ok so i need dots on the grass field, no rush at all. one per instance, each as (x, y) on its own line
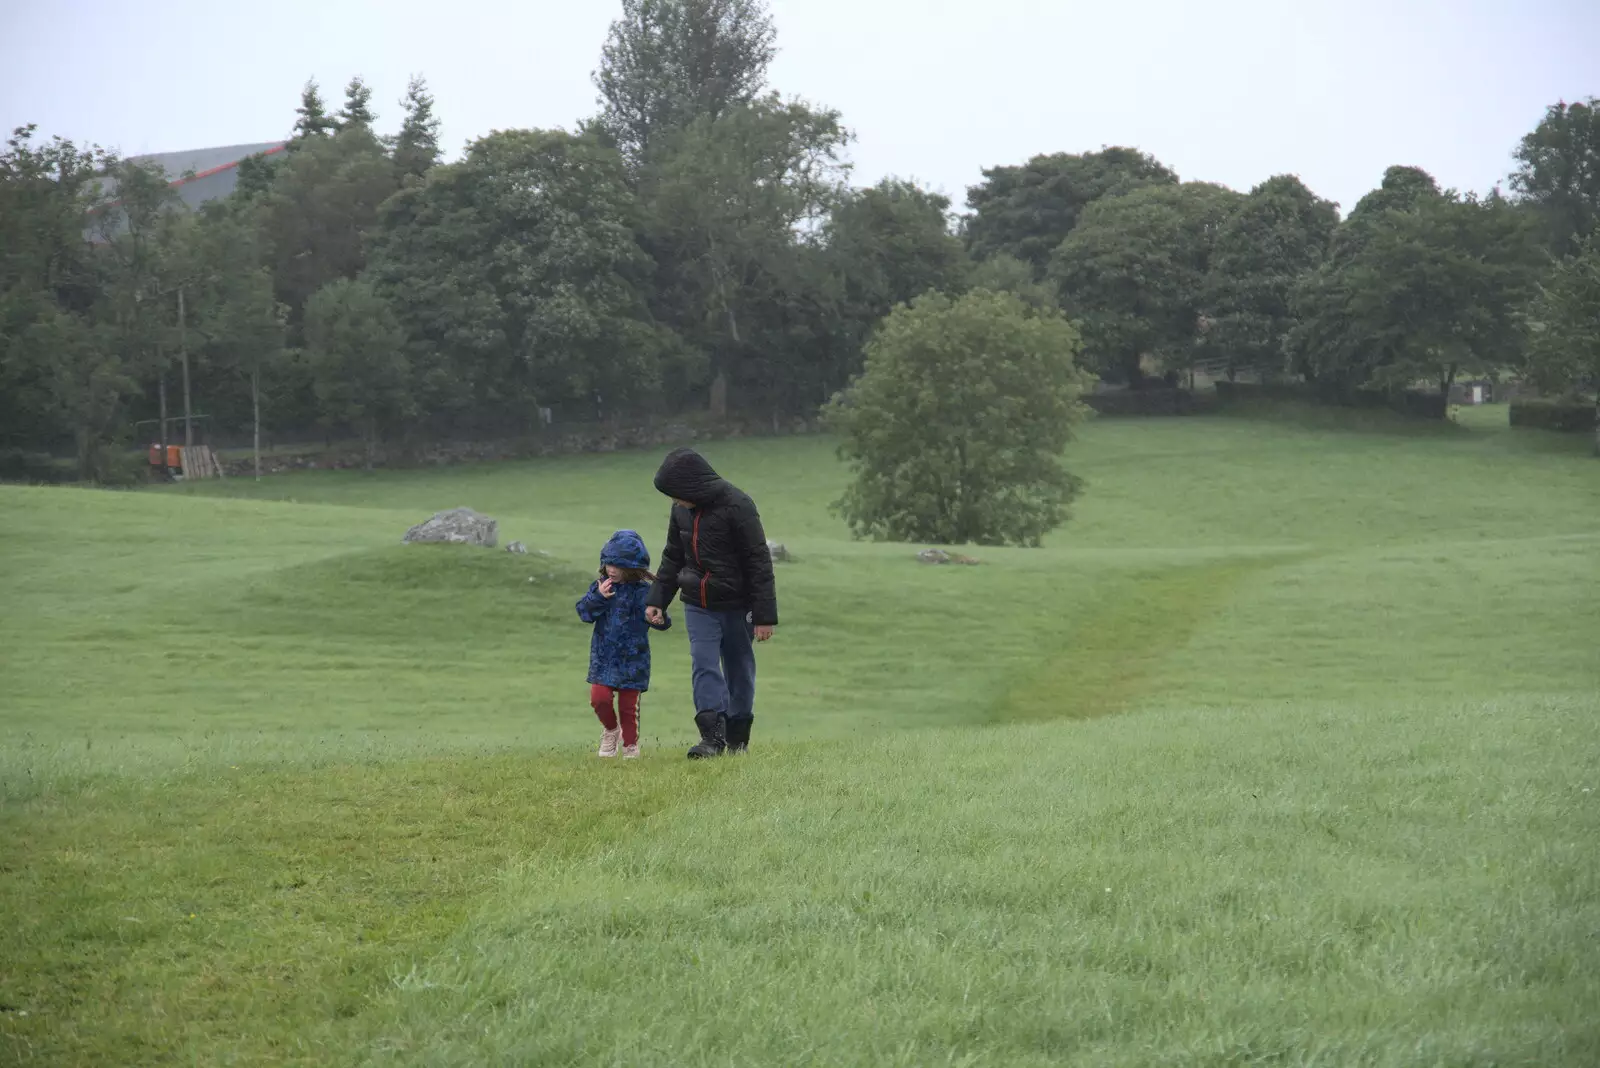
(1283, 752)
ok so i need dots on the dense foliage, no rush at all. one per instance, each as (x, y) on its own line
(697, 245)
(954, 430)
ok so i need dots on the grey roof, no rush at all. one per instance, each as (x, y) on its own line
(199, 160)
(215, 171)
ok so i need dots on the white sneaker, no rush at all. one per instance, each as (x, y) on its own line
(630, 752)
(608, 742)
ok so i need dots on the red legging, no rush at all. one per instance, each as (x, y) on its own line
(627, 700)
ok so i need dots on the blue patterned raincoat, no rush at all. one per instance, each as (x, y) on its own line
(619, 652)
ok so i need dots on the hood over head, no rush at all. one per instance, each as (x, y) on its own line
(684, 474)
(626, 549)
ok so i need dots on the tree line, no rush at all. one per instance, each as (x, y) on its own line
(697, 244)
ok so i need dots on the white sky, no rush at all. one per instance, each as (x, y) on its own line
(1229, 91)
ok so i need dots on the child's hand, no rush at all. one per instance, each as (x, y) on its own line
(608, 589)
(655, 615)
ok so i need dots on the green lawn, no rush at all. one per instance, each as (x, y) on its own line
(1284, 751)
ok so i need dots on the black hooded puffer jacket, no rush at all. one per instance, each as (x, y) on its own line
(716, 555)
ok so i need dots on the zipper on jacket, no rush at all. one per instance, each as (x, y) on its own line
(705, 576)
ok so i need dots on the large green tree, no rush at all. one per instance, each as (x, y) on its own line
(667, 63)
(884, 246)
(144, 234)
(1558, 170)
(355, 351)
(520, 280)
(312, 119)
(1445, 284)
(1327, 341)
(1027, 211)
(1004, 273)
(315, 217)
(416, 146)
(1279, 233)
(1432, 289)
(357, 110)
(1564, 351)
(47, 269)
(1132, 274)
(239, 324)
(954, 432)
(733, 210)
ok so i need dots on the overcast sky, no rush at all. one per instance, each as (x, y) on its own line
(1228, 91)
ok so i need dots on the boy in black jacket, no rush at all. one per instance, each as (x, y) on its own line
(717, 560)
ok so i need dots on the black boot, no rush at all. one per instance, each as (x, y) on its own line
(739, 735)
(713, 735)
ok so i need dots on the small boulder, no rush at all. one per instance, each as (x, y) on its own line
(780, 552)
(461, 526)
(516, 547)
(939, 556)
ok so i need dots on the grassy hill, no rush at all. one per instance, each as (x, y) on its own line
(1283, 751)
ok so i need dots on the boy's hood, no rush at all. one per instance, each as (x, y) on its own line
(684, 474)
(626, 549)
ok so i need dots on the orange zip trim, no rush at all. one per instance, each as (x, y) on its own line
(705, 576)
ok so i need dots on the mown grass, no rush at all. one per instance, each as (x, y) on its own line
(1281, 752)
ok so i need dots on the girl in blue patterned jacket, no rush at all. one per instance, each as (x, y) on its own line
(619, 652)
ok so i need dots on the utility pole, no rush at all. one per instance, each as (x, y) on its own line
(162, 382)
(183, 354)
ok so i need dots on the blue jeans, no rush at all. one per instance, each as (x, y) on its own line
(722, 650)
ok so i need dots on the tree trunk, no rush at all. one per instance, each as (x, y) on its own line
(1133, 366)
(719, 385)
(372, 442)
(183, 354)
(85, 452)
(1597, 422)
(255, 414)
(962, 534)
(719, 396)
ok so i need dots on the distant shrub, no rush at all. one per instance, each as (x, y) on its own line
(1569, 416)
(19, 465)
(1145, 402)
(954, 430)
(1411, 402)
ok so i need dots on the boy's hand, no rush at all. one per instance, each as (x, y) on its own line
(654, 615)
(763, 634)
(608, 589)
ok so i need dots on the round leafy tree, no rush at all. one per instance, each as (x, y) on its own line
(955, 429)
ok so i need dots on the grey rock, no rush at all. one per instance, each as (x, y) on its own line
(939, 556)
(461, 526)
(516, 547)
(780, 552)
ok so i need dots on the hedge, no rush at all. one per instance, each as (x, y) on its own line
(1573, 417)
(1410, 402)
(1145, 402)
